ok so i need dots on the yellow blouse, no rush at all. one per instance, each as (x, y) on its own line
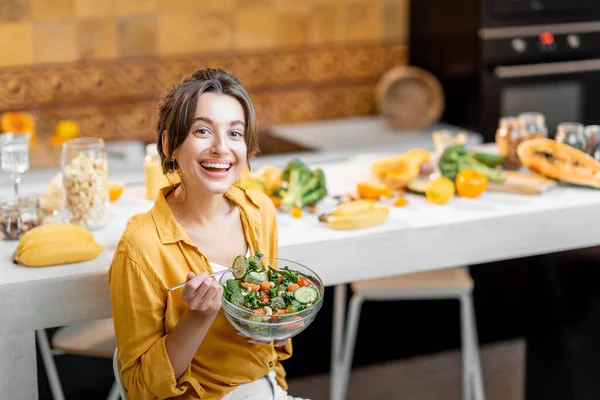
(155, 253)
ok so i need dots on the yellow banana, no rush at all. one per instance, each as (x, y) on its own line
(58, 231)
(56, 243)
(357, 220)
(64, 239)
(353, 206)
(52, 254)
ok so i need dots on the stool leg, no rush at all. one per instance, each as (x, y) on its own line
(348, 353)
(339, 316)
(49, 365)
(465, 336)
(474, 362)
(114, 392)
(478, 373)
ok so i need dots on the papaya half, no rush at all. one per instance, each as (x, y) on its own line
(560, 161)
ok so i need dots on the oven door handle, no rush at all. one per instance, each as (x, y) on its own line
(564, 67)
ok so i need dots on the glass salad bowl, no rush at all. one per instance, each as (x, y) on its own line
(272, 311)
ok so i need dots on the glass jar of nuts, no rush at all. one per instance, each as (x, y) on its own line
(84, 163)
(508, 137)
(19, 214)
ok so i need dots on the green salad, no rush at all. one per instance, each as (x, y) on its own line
(266, 290)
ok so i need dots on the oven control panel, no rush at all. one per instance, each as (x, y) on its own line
(542, 46)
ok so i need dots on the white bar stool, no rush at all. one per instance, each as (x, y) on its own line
(94, 338)
(117, 373)
(448, 283)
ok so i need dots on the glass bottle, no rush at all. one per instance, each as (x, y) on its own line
(508, 137)
(84, 163)
(155, 178)
(533, 125)
(573, 134)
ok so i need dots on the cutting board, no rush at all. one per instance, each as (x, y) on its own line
(522, 183)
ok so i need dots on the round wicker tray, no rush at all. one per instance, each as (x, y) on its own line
(409, 98)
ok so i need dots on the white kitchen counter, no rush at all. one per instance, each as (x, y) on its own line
(354, 133)
(418, 237)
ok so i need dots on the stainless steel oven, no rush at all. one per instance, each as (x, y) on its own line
(500, 57)
(552, 69)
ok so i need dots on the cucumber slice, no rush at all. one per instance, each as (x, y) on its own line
(240, 266)
(257, 329)
(306, 294)
(256, 277)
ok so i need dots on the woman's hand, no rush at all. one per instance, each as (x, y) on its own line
(202, 293)
(277, 343)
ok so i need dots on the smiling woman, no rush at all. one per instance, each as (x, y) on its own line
(181, 345)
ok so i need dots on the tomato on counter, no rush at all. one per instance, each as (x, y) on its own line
(471, 183)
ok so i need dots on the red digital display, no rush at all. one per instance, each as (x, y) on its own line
(547, 38)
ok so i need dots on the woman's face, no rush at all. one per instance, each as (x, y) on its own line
(213, 154)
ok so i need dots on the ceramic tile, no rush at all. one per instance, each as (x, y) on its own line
(52, 9)
(184, 33)
(136, 6)
(177, 33)
(137, 35)
(191, 6)
(288, 67)
(16, 44)
(297, 6)
(291, 28)
(362, 19)
(97, 38)
(215, 33)
(55, 41)
(326, 23)
(295, 106)
(95, 8)
(254, 29)
(395, 18)
(255, 4)
(15, 10)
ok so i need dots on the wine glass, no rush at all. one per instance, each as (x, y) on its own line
(14, 157)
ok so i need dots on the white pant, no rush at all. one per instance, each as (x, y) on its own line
(265, 388)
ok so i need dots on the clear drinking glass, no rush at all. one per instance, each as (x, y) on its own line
(573, 134)
(533, 125)
(592, 134)
(14, 157)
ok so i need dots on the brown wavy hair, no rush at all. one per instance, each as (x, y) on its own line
(177, 108)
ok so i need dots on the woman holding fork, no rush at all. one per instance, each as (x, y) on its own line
(179, 344)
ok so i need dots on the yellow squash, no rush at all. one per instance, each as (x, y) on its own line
(398, 171)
